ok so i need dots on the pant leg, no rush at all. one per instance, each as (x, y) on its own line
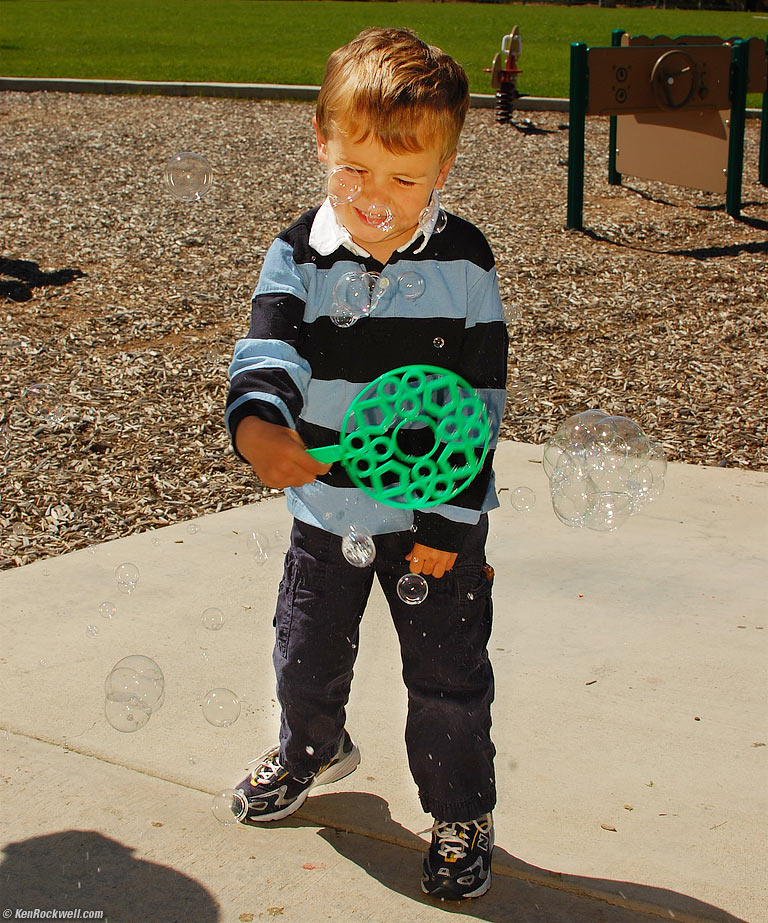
(449, 677)
(319, 607)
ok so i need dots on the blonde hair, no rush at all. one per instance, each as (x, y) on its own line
(390, 84)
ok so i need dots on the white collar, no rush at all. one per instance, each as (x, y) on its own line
(328, 233)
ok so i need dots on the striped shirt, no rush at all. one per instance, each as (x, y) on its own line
(298, 368)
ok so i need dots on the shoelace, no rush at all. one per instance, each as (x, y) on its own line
(268, 766)
(453, 839)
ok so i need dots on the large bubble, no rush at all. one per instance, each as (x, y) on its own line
(188, 176)
(602, 469)
(134, 689)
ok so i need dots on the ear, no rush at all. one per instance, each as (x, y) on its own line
(322, 144)
(444, 171)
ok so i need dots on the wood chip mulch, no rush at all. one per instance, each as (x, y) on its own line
(121, 305)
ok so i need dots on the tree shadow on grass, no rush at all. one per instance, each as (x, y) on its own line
(87, 870)
(26, 275)
(359, 827)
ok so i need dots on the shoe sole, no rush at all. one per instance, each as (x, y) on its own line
(333, 773)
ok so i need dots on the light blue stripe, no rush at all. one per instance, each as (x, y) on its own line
(252, 354)
(445, 291)
(327, 401)
(280, 275)
(264, 398)
(335, 509)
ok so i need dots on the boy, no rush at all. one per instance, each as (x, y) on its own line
(388, 116)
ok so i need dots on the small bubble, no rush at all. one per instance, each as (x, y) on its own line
(212, 618)
(92, 630)
(127, 576)
(411, 285)
(412, 589)
(107, 610)
(221, 707)
(438, 342)
(523, 499)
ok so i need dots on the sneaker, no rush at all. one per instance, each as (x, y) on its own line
(271, 792)
(458, 863)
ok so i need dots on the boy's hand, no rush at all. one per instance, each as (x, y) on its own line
(426, 560)
(276, 454)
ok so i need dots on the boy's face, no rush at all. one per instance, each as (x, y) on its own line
(403, 183)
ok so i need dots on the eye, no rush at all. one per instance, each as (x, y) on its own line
(404, 182)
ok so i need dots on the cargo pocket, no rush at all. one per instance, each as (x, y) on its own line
(286, 597)
(474, 608)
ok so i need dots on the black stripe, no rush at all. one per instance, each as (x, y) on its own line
(271, 381)
(276, 317)
(376, 345)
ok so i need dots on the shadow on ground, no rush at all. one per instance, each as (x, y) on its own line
(359, 827)
(84, 869)
(26, 276)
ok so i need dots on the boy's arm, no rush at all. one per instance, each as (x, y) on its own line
(269, 377)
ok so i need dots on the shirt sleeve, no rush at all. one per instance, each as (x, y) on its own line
(268, 378)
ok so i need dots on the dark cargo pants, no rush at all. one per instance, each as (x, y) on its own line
(443, 643)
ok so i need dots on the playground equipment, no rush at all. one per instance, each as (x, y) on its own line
(677, 109)
(504, 74)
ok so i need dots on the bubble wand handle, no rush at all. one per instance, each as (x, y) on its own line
(327, 453)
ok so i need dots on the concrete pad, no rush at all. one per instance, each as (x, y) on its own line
(629, 721)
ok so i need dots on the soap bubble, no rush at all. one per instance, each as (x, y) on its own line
(258, 545)
(342, 316)
(136, 680)
(411, 285)
(127, 576)
(523, 499)
(212, 618)
(358, 547)
(380, 216)
(438, 342)
(433, 218)
(92, 630)
(229, 806)
(40, 401)
(188, 176)
(344, 185)
(107, 610)
(353, 292)
(221, 707)
(412, 589)
(601, 470)
(126, 717)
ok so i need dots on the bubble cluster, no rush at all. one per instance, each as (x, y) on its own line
(412, 589)
(358, 547)
(134, 689)
(229, 806)
(127, 576)
(602, 469)
(188, 176)
(221, 707)
(355, 295)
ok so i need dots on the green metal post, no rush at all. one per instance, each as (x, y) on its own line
(738, 93)
(614, 177)
(762, 164)
(577, 121)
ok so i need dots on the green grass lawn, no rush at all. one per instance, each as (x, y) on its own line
(287, 41)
